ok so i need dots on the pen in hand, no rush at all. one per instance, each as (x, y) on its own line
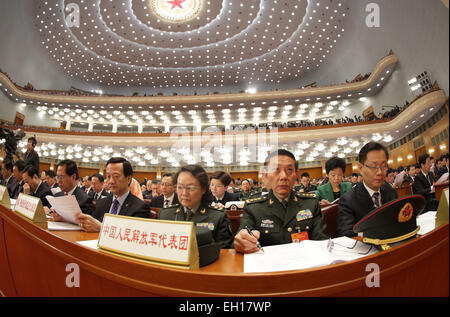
(257, 242)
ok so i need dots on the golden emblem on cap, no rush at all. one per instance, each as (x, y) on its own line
(405, 213)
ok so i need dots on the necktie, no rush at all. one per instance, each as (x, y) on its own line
(166, 203)
(95, 196)
(429, 179)
(115, 207)
(188, 214)
(375, 197)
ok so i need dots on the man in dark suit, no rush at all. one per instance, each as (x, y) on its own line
(8, 179)
(67, 176)
(119, 174)
(168, 197)
(444, 167)
(31, 157)
(410, 174)
(424, 183)
(51, 179)
(371, 193)
(18, 169)
(34, 186)
(98, 190)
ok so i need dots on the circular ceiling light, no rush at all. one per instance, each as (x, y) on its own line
(176, 10)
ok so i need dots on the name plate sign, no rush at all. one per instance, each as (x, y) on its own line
(4, 197)
(164, 242)
(31, 208)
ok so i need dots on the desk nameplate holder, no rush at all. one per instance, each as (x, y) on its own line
(4, 197)
(162, 242)
(31, 208)
(442, 210)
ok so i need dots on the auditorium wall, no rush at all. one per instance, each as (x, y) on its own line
(427, 145)
(9, 108)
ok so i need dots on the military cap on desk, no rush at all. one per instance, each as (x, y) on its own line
(392, 222)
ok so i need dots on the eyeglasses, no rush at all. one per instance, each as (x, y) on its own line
(166, 185)
(189, 188)
(383, 168)
(360, 250)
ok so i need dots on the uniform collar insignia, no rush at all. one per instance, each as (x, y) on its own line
(203, 211)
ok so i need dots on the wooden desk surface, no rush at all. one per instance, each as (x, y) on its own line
(34, 262)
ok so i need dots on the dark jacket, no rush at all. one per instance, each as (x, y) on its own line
(11, 186)
(32, 158)
(158, 202)
(356, 204)
(131, 207)
(42, 191)
(206, 216)
(103, 194)
(423, 187)
(226, 198)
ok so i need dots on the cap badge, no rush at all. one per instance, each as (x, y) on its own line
(405, 213)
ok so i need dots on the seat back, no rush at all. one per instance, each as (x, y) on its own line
(329, 214)
(235, 217)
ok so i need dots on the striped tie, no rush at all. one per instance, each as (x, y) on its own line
(375, 197)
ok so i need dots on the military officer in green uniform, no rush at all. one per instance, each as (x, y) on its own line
(282, 216)
(246, 189)
(192, 185)
(305, 185)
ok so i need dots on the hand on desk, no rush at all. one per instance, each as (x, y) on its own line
(88, 223)
(245, 243)
(53, 214)
(324, 202)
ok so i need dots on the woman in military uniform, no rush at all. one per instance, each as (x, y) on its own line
(192, 186)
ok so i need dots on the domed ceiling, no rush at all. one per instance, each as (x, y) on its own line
(189, 43)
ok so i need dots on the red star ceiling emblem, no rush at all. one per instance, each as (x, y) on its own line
(176, 3)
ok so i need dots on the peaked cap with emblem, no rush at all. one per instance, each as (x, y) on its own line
(392, 222)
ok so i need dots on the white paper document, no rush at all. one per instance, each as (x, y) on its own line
(63, 226)
(427, 222)
(66, 206)
(306, 254)
(89, 244)
(55, 190)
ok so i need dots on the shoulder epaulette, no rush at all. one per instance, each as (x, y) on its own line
(256, 199)
(306, 195)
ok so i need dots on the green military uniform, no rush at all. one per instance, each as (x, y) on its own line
(203, 216)
(276, 223)
(260, 192)
(246, 195)
(307, 189)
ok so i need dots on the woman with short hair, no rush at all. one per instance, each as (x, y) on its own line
(192, 190)
(219, 182)
(335, 188)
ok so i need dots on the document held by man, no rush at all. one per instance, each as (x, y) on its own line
(66, 206)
